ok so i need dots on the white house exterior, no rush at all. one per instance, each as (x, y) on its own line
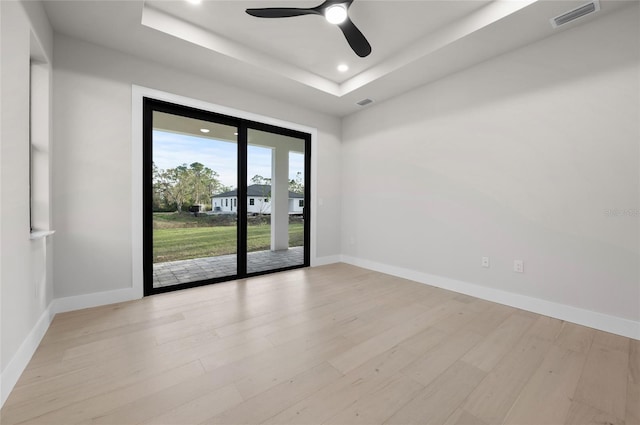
(258, 200)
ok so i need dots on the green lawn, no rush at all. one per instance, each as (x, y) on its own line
(182, 243)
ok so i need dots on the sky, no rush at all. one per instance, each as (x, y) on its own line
(173, 149)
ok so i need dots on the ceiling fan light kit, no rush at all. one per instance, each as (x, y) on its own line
(334, 11)
(336, 14)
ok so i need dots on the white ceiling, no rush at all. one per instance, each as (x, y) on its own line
(310, 42)
(295, 59)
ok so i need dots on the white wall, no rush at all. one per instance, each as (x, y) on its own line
(260, 206)
(25, 273)
(519, 157)
(92, 157)
(294, 205)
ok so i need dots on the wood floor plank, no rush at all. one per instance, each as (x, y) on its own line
(423, 341)
(324, 301)
(357, 355)
(173, 398)
(575, 337)
(632, 416)
(113, 326)
(440, 398)
(368, 378)
(456, 320)
(256, 383)
(582, 414)
(437, 360)
(433, 297)
(273, 355)
(371, 323)
(82, 373)
(488, 319)
(160, 402)
(52, 399)
(310, 311)
(462, 417)
(491, 349)
(331, 344)
(85, 410)
(603, 384)
(546, 398)
(251, 347)
(271, 402)
(376, 407)
(493, 398)
(200, 409)
(310, 323)
(615, 342)
(134, 346)
(546, 328)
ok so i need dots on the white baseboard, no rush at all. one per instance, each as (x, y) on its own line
(20, 360)
(592, 319)
(323, 261)
(79, 302)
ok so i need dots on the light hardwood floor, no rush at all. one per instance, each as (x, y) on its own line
(334, 344)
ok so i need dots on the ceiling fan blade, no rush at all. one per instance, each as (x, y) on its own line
(355, 38)
(281, 12)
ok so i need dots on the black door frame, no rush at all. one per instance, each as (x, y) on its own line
(243, 125)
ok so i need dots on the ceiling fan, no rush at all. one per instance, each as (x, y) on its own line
(335, 11)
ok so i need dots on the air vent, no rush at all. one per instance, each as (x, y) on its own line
(364, 102)
(576, 13)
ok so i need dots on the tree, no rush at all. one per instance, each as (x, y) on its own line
(297, 185)
(204, 183)
(221, 189)
(258, 179)
(173, 184)
(183, 185)
(159, 202)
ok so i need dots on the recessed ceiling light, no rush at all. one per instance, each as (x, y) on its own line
(205, 130)
(235, 134)
(336, 14)
(194, 1)
(343, 68)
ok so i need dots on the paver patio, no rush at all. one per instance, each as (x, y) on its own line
(184, 271)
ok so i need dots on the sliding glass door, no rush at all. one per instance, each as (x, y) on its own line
(276, 199)
(192, 160)
(224, 198)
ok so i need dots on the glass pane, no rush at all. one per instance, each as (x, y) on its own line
(275, 201)
(296, 203)
(194, 213)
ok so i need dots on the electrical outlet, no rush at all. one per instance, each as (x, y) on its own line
(518, 266)
(485, 262)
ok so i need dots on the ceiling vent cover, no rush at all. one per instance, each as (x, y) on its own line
(364, 102)
(576, 13)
